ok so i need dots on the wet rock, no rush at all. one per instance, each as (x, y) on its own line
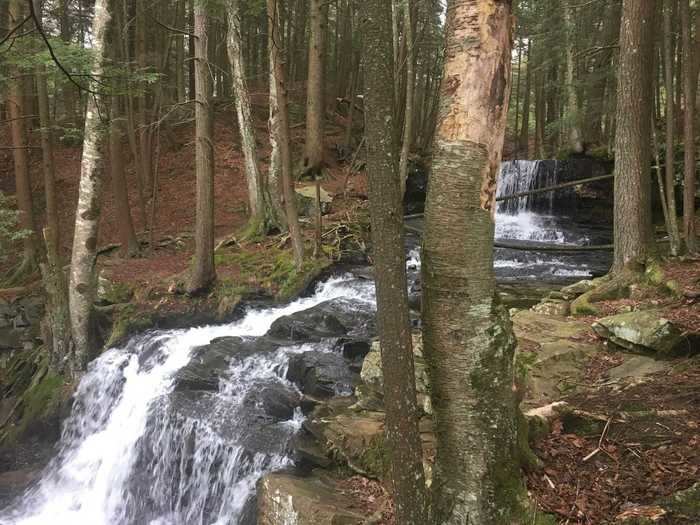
(354, 348)
(321, 374)
(306, 201)
(641, 331)
(325, 320)
(291, 500)
(308, 454)
(276, 399)
(206, 365)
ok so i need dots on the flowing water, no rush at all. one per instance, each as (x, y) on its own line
(141, 448)
(129, 455)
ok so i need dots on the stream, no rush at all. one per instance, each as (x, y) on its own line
(177, 426)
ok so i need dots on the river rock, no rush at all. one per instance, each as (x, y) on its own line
(370, 393)
(277, 400)
(285, 499)
(321, 374)
(206, 365)
(306, 201)
(641, 331)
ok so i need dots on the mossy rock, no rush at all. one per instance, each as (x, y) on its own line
(685, 503)
(128, 321)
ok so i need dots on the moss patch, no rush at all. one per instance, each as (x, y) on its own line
(127, 321)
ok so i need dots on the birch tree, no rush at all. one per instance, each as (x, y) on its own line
(469, 343)
(81, 290)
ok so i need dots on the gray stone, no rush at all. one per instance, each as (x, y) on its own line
(306, 201)
(637, 367)
(556, 307)
(321, 374)
(641, 331)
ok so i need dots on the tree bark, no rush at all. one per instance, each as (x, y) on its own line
(282, 135)
(203, 272)
(633, 234)
(469, 344)
(245, 121)
(524, 148)
(81, 291)
(47, 160)
(670, 170)
(689, 94)
(127, 234)
(401, 424)
(315, 107)
(575, 135)
(20, 155)
(410, 94)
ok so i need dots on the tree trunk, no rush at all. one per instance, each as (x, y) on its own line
(203, 272)
(274, 176)
(524, 141)
(145, 169)
(469, 344)
(81, 292)
(315, 107)
(670, 130)
(20, 155)
(127, 234)
(245, 121)
(180, 53)
(689, 93)
(282, 135)
(633, 234)
(575, 136)
(47, 159)
(410, 94)
(401, 424)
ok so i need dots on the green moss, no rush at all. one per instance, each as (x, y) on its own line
(115, 293)
(654, 273)
(128, 320)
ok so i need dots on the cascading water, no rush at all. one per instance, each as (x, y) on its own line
(137, 449)
(538, 218)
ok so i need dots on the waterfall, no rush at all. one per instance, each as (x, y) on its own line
(518, 176)
(135, 450)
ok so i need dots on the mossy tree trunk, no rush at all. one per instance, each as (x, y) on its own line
(469, 344)
(385, 197)
(81, 291)
(633, 233)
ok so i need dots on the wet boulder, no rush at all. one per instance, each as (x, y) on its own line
(642, 331)
(275, 399)
(207, 364)
(321, 374)
(334, 318)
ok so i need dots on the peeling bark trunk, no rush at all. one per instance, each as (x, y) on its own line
(385, 197)
(203, 272)
(633, 233)
(282, 136)
(81, 291)
(469, 343)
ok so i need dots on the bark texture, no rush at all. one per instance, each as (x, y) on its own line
(245, 122)
(81, 291)
(203, 273)
(47, 159)
(469, 344)
(281, 132)
(689, 94)
(313, 156)
(633, 234)
(670, 128)
(401, 424)
(410, 95)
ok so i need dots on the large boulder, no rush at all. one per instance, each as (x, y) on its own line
(321, 374)
(306, 201)
(285, 499)
(641, 331)
(370, 393)
(334, 318)
(275, 398)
